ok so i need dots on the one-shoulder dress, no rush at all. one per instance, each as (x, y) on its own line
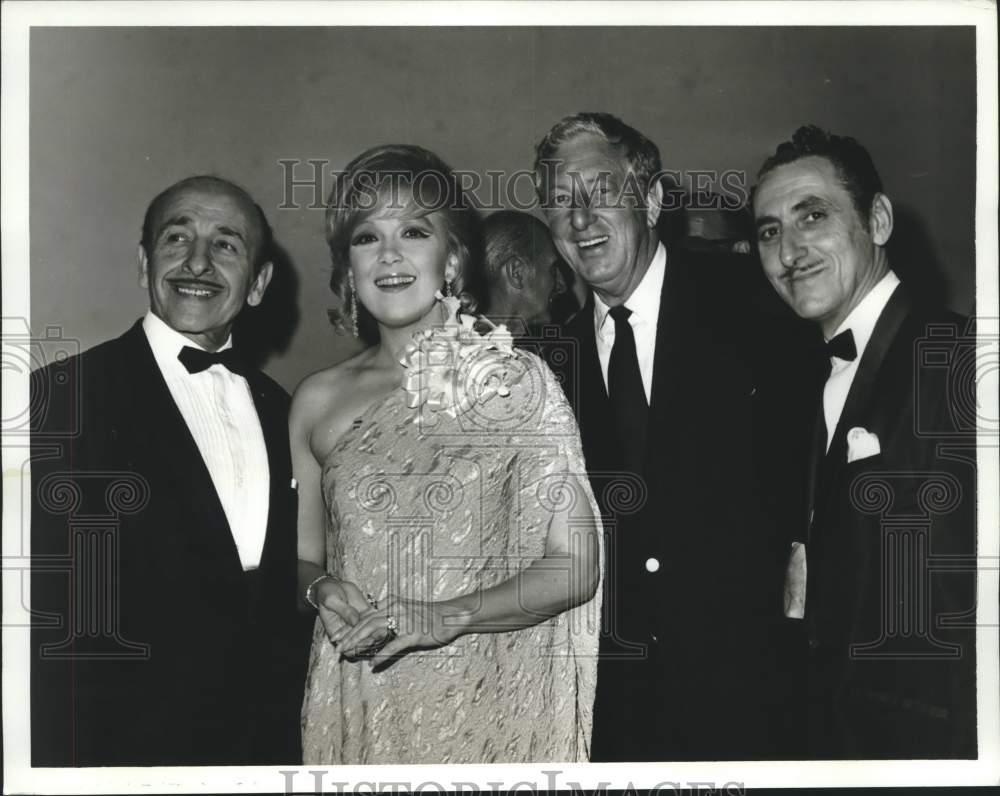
(430, 504)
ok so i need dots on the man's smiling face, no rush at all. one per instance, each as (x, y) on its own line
(816, 250)
(200, 267)
(596, 217)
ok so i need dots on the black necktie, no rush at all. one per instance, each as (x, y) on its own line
(196, 360)
(842, 346)
(628, 397)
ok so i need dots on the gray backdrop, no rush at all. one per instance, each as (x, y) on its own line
(118, 114)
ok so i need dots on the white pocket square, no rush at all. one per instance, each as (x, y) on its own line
(861, 444)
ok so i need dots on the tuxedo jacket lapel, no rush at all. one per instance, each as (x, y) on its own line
(273, 416)
(816, 461)
(174, 458)
(670, 328)
(861, 396)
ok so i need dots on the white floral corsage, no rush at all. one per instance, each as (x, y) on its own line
(453, 367)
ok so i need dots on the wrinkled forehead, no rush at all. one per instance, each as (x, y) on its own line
(787, 185)
(586, 156)
(210, 206)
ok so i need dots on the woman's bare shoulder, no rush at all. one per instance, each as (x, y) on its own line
(327, 402)
(319, 394)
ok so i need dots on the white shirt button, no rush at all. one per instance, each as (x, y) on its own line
(652, 565)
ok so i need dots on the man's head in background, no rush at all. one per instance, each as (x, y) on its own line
(822, 225)
(521, 274)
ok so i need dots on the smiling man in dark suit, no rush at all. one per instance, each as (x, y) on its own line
(667, 387)
(887, 638)
(163, 517)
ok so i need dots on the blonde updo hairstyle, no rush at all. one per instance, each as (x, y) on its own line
(414, 181)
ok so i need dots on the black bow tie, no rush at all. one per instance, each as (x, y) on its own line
(196, 360)
(842, 346)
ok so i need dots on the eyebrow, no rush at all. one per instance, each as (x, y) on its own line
(808, 203)
(176, 221)
(230, 231)
(183, 221)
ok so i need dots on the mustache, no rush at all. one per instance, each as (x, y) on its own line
(790, 274)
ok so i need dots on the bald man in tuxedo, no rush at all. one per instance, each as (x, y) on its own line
(163, 517)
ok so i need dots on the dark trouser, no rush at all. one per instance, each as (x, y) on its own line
(719, 698)
(276, 708)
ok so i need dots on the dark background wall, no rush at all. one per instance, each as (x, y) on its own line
(118, 114)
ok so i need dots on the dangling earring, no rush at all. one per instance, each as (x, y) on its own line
(453, 266)
(354, 305)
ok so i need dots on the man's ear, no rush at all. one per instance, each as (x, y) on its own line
(143, 263)
(654, 204)
(880, 219)
(256, 294)
(514, 268)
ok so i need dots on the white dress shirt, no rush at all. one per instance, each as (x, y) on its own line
(219, 411)
(861, 322)
(645, 306)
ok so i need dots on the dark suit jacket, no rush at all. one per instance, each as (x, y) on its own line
(890, 588)
(151, 646)
(688, 662)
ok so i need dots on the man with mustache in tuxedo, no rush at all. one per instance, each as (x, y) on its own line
(163, 516)
(886, 644)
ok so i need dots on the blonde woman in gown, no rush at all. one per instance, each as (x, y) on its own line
(448, 537)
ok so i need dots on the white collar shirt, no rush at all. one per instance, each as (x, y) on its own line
(218, 409)
(861, 321)
(645, 306)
